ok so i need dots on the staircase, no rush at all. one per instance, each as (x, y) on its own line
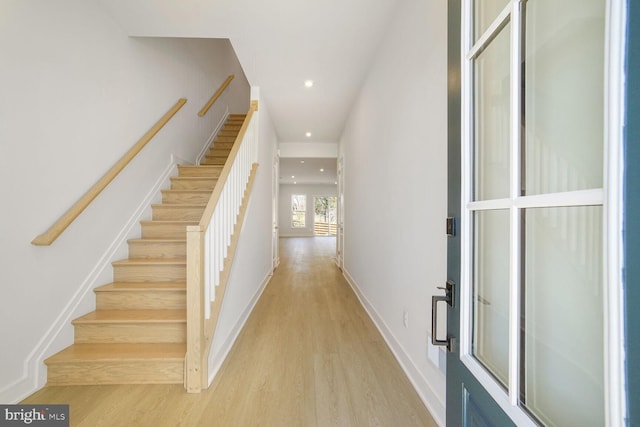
(137, 335)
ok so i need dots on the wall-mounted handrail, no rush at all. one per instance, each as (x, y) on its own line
(65, 220)
(210, 247)
(215, 96)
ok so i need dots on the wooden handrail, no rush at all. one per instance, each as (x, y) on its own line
(199, 328)
(215, 96)
(217, 190)
(65, 220)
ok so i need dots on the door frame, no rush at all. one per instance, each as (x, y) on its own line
(319, 196)
(614, 337)
(340, 215)
(275, 200)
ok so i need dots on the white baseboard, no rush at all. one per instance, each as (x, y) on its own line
(212, 136)
(34, 371)
(428, 396)
(216, 361)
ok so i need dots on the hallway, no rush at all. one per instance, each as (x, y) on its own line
(308, 356)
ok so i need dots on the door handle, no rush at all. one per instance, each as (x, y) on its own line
(449, 298)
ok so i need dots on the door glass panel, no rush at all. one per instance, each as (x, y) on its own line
(484, 13)
(564, 95)
(563, 316)
(492, 113)
(491, 292)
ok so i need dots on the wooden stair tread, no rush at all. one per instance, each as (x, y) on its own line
(155, 247)
(178, 205)
(200, 170)
(180, 190)
(133, 316)
(157, 240)
(118, 352)
(169, 221)
(149, 261)
(141, 286)
(211, 168)
(193, 182)
(198, 167)
(193, 178)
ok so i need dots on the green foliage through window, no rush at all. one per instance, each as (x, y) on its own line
(298, 210)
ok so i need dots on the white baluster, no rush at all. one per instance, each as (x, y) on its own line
(207, 248)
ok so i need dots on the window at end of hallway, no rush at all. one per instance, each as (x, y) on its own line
(298, 210)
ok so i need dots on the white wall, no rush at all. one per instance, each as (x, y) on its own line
(394, 150)
(308, 149)
(77, 93)
(252, 265)
(284, 207)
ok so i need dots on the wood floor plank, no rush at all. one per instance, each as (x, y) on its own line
(308, 356)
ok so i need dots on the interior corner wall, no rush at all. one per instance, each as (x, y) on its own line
(284, 207)
(394, 148)
(77, 94)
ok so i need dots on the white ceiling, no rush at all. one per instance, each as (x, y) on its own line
(280, 44)
(308, 171)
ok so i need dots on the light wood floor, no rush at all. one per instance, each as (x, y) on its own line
(308, 356)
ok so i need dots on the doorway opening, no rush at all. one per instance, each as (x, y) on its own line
(325, 215)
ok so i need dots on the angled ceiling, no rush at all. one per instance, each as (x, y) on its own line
(280, 44)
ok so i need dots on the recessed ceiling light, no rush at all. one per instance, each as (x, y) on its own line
(292, 176)
(308, 134)
(321, 170)
(294, 182)
(301, 161)
(308, 83)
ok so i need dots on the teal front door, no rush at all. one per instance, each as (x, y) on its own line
(632, 214)
(530, 189)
